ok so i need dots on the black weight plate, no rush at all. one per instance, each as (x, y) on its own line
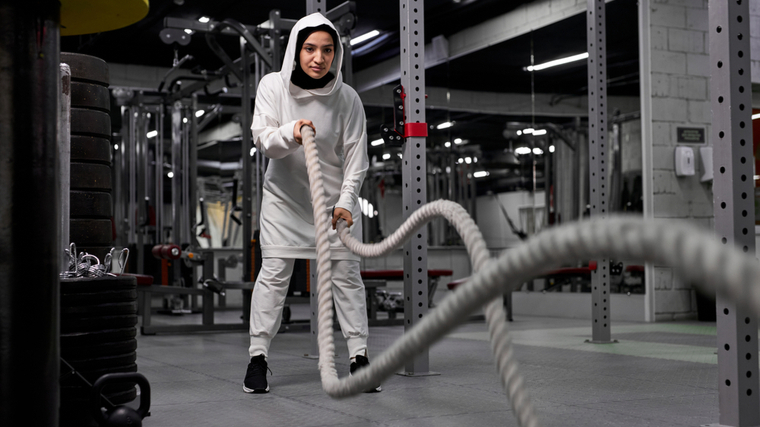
(91, 367)
(90, 122)
(100, 297)
(81, 339)
(92, 374)
(91, 232)
(92, 323)
(104, 349)
(90, 95)
(90, 149)
(86, 67)
(105, 309)
(90, 176)
(90, 204)
(88, 285)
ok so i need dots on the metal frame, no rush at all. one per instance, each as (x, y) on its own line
(731, 134)
(598, 149)
(414, 173)
(645, 73)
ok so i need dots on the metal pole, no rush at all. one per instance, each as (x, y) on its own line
(733, 203)
(313, 6)
(597, 149)
(64, 154)
(29, 293)
(414, 172)
(245, 123)
(131, 148)
(176, 184)
(160, 176)
(141, 143)
(192, 169)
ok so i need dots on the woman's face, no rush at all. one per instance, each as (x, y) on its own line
(317, 54)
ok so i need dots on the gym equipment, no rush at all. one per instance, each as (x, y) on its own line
(121, 416)
(86, 17)
(694, 253)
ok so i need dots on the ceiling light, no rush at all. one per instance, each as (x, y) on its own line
(386, 156)
(447, 144)
(551, 148)
(468, 160)
(377, 142)
(364, 37)
(458, 141)
(188, 31)
(556, 62)
(253, 151)
(448, 169)
(757, 177)
(184, 120)
(170, 174)
(528, 131)
(756, 116)
(537, 151)
(539, 132)
(481, 174)
(152, 133)
(522, 150)
(204, 19)
(200, 113)
(460, 161)
(116, 146)
(400, 156)
(519, 132)
(445, 125)
(474, 159)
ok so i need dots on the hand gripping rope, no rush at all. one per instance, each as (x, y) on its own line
(694, 253)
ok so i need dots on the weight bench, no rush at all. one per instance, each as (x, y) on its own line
(374, 279)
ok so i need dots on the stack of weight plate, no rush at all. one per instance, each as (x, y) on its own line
(98, 329)
(98, 315)
(91, 204)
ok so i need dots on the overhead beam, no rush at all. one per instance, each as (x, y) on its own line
(522, 20)
(518, 104)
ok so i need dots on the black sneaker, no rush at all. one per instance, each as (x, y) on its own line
(361, 362)
(256, 376)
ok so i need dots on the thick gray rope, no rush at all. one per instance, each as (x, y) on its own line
(694, 253)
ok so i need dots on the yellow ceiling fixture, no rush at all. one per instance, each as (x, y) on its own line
(95, 16)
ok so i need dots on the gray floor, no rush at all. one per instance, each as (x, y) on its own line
(659, 374)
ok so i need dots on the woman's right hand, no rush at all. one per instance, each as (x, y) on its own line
(297, 129)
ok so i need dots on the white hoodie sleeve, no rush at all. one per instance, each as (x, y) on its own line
(270, 137)
(355, 162)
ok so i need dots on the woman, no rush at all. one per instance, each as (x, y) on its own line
(307, 92)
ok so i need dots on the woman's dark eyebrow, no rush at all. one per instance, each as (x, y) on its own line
(312, 44)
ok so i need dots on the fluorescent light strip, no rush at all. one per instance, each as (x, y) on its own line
(204, 19)
(364, 37)
(756, 116)
(377, 142)
(152, 133)
(445, 125)
(556, 62)
(539, 132)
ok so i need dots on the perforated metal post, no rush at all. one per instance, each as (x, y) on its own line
(597, 150)
(316, 6)
(733, 203)
(414, 174)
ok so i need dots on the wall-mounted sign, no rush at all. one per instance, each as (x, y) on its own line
(687, 135)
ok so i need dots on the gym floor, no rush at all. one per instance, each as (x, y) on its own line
(658, 374)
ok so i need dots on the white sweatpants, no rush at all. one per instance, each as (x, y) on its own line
(270, 291)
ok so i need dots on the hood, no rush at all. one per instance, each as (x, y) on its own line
(289, 59)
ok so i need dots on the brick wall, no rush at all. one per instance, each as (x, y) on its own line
(680, 85)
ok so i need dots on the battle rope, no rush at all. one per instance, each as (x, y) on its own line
(694, 254)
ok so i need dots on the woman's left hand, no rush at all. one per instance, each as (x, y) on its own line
(341, 213)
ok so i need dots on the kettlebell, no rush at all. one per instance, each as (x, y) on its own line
(120, 416)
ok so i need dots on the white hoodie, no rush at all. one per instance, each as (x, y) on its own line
(287, 220)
